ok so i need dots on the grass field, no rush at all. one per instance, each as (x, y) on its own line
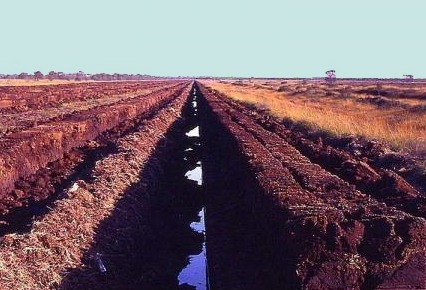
(338, 111)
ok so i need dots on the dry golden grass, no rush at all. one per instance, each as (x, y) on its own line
(337, 115)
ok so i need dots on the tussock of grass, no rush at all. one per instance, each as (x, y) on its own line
(339, 116)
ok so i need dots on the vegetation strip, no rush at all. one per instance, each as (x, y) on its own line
(336, 109)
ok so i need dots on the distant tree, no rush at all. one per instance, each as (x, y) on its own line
(379, 88)
(409, 78)
(38, 75)
(331, 76)
(23, 76)
(62, 75)
(51, 75)
(80, 76)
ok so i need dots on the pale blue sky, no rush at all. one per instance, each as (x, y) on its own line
(265, 38)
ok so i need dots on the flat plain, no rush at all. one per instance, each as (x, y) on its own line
(306, 184)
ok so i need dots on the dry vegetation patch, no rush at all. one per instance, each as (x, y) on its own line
(335, 110)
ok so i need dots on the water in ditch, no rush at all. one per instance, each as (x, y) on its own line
(195, 273)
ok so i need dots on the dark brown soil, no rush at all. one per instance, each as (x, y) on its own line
(146, 240)
(125, 212)
(327, 234)
(23, 153)
(14, 99)
(285, 208)
(372, 167)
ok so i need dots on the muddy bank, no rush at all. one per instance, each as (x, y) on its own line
(242, 251)
(103, 219)
(323, 233)
(18, 99)
(369, 165)
(14, 122)
(78, 157)
(146, 241)
(23, 153)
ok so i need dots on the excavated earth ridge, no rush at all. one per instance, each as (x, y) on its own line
(12, 122)
(23, 153)
(60, 242)
(359, 169)
(23, 98)
(283, 211)
(339, 237)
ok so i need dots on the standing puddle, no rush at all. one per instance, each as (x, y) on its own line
(194, 275)
(194, 132)
(196, 174)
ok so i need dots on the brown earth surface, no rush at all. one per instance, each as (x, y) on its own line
(335, 237)
(59, 242)
(25, 152)
(104, 183)
(24, 98)
(11, 122)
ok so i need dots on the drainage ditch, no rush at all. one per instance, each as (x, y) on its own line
(156, 238)
(165, 244)
(195, 273)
